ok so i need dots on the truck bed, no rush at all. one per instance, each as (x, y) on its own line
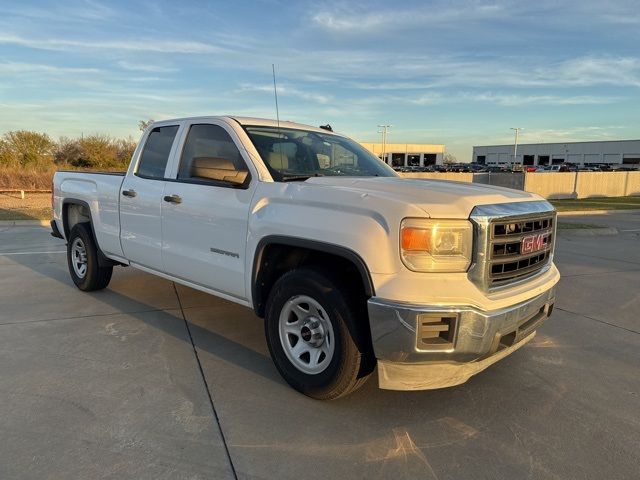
(100, 192)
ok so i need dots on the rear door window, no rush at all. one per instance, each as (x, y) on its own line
(155, 155)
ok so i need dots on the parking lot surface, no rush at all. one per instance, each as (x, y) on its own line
(148, 379)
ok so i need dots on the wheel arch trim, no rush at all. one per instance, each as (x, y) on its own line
(103, 260)
(319, 246)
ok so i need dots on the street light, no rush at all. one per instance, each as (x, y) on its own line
(385, 129)
(515, 144)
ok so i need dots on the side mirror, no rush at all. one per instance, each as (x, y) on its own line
(219, 169)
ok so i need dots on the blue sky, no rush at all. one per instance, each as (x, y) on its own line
(458, 73)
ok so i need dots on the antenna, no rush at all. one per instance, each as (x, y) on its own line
(275, 92)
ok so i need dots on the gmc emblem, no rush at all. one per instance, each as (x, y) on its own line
(533, 243)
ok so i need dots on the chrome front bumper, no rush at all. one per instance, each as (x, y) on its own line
(475, 339)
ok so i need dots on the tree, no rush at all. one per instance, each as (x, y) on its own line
(68, 152)
(450, 158)
(97, 151)
(142, 124)
(124, 150)
(24, 148)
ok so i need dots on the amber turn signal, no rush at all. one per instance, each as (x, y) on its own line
(416, 239)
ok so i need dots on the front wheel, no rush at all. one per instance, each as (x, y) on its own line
(307, 328)
(82, 258)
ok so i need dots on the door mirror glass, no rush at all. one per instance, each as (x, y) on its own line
(217, 169)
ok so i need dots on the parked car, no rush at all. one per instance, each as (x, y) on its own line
(349, 266)
(477, 167)
(457, 167)
(496, 169)
(553, 168)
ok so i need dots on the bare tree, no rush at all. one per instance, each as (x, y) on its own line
(143, 124)
(450, 158)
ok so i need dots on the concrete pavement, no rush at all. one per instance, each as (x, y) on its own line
(109, 384)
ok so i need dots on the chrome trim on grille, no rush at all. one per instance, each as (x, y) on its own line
(492, 272)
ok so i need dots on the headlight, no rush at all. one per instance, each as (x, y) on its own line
(429, 245)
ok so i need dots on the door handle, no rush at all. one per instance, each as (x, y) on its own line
(129, 193)
(173, 199)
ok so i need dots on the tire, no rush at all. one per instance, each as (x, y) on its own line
(82, 259)
(307, 307)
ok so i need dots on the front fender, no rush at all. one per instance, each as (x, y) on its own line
(358, 223)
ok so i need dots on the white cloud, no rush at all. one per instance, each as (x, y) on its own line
(133, 45)
(287, 90)
(426, 72)
(83, 10)
(500, 99)
(365, 19)
(586, 71)
(358, 17)
(142, 67)
(430, 98)
(515, 100)
(26, 68)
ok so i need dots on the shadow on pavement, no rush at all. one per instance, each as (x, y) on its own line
(209, 341)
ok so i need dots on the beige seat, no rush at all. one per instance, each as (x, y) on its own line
(278, 160)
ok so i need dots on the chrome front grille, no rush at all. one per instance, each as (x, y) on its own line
(514, 242)
(508, 261)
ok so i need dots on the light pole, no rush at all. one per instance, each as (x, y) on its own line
(515, 144)
(385, 129)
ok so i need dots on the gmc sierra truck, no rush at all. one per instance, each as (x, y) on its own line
(350, 266)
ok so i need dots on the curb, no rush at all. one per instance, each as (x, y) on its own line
(589, 232)
(24, 223)
(596, 212)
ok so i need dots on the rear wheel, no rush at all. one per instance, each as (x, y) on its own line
(307, 328)
(82, 258)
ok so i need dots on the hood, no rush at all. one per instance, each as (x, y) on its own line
(437, 198)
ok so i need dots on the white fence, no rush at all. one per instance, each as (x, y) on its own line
(553, 185)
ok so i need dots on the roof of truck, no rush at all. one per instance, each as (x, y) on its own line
(265, 122)
(253, 121)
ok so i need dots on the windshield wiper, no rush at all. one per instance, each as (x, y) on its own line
(299, 178)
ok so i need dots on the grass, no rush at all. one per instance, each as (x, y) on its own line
(577, 226)
(605, 203)
(26, 214)
(34, 206)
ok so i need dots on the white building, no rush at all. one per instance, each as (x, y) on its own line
(616, 152)
(408, 154)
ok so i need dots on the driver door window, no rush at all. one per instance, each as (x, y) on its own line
(206, 141)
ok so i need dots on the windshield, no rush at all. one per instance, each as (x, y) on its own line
(299, 154)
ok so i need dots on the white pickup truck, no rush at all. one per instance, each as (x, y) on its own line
(350, 266)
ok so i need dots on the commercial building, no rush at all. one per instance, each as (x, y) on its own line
(616, 152)
(408, 154)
